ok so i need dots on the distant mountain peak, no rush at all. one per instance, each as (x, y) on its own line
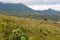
(50, 9)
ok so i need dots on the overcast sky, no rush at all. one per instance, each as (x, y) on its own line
(37, 4)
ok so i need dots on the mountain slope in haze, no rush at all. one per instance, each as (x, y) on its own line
(15, 9)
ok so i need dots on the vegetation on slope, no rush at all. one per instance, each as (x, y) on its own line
(36, 29)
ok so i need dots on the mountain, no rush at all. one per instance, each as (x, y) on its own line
(49, 12)
(21, 10)
(15, 9)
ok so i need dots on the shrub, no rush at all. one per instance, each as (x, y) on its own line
(45, 19)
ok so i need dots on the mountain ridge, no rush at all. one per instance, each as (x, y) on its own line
(49, 12)
(11, 8)
(22, 10)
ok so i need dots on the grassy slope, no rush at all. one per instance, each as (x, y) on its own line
(38, 29)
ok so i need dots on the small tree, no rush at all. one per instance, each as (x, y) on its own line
(45, 19)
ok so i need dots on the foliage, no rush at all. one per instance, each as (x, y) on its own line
(31, 28)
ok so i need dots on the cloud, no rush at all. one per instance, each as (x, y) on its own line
(45, 2)
(31, 2)
(45, 7)
(14, 1)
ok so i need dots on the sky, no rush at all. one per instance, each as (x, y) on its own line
(37, 4)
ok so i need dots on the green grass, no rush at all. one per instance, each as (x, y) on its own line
(37, 29)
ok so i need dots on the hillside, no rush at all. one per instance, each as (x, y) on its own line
(17, 9)
(21, 10)
(34, 29)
